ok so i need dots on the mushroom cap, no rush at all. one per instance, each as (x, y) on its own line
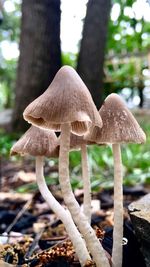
(37, 142)
(77, 141)
(119, 125)
(67, 100)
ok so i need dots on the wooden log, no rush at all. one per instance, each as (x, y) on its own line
(140, 216)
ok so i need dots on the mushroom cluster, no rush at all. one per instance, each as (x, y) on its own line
(119, 126)
(67, 106)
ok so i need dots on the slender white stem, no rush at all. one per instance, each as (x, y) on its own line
(64, 215)
(86, 183)
(78, 216)
(118, 208)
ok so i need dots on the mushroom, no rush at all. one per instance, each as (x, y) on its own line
(67, 106)
(39, 143)
(78, 142)
(119, 126)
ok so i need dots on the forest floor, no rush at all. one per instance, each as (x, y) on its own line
(31, 235)
(36, 237)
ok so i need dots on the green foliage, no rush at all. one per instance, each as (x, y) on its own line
(69, 59)
(127, 34)
(136, 168)
(9, 33)
(127, 41)
(32, 187)
(10, 28)
(6, 142)
(7, 82)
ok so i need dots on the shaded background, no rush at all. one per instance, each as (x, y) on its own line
(40, 36)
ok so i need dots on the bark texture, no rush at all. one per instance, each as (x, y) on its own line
(91, 56)
(40, 54)
(140, 217)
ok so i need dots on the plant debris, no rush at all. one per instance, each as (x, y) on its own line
(39, 230)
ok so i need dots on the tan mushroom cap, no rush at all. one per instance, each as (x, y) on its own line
(67, 100)
(77, 141)
(119, 125)
(37, 142)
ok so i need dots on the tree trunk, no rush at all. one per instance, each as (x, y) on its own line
(141, 93)
(91, 56)
(40, 54)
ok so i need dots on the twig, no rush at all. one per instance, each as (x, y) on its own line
(34, 244)
(20, 213)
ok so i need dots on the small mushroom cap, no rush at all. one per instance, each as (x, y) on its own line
(77, 141)
(119, 125)
(37, 142)
(67, 100)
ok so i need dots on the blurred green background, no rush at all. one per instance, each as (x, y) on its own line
(126, 71)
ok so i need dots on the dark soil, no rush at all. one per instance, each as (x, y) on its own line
(37, 238)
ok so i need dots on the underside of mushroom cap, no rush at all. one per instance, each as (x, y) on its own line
(37, 142)
(77, 141)
(119, 125)
(67, 100)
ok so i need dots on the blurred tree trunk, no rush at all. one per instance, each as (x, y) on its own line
(40, 54)
(92, 50)
(141, 93)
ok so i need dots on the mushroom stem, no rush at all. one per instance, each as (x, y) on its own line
(64, 215)
(78, 216)
(86, 183)
(118, 208)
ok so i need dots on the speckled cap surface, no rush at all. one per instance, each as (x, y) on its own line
(119, 125)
